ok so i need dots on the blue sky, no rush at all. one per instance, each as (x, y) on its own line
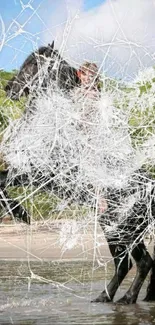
(118, 35)
(33, 16)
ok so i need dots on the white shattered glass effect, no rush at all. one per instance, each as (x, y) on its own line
(96, 136)
(73, 134)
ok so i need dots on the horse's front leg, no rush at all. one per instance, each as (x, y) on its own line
(150, 294)
(144, 264)
(122, 266)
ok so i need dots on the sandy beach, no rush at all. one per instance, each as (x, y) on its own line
(41, 242)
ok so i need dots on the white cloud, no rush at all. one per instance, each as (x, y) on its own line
(118, 35)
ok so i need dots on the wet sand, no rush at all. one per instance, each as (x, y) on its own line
(41, 242)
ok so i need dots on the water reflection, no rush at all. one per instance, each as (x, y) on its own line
(60, 293)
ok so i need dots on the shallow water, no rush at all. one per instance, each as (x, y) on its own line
(60, 293)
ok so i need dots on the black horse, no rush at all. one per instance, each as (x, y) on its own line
(130, 210)
(38, 70)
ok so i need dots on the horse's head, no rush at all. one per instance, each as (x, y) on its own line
(40, 69)
(20, 84)
(59, 70)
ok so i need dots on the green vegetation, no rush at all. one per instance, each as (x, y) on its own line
(8, 108)
(44, 205)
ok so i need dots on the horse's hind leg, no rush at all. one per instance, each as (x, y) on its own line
(144, 264)
(122, 265)
(150, 294)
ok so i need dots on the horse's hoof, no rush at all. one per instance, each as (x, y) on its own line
(102, 298)
(126, 301)
(149, 297)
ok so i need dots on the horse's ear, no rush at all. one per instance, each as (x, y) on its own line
(52, 45)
